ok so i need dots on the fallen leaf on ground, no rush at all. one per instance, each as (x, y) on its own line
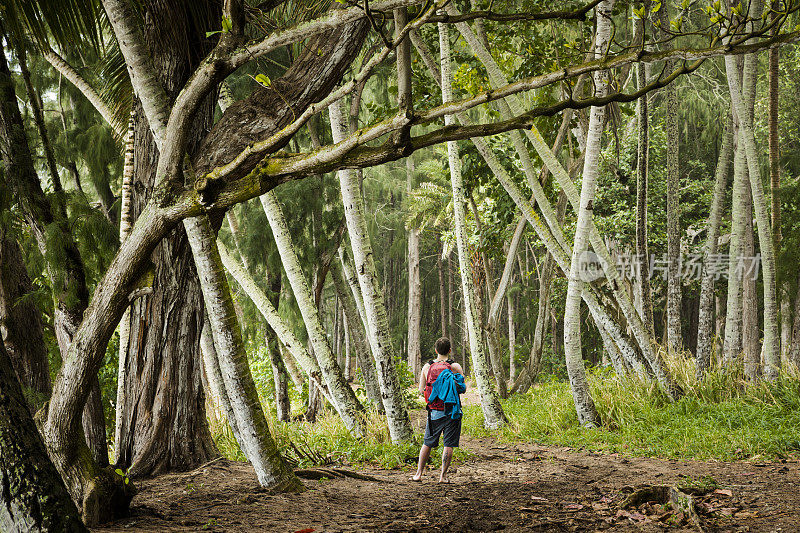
(573, 507)
(724, 492)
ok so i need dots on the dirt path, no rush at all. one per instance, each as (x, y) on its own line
(514, 488)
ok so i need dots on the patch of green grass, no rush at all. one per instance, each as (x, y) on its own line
(327, 441)
(721, 417)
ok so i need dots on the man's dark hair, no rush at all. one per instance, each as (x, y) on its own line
(443, 346)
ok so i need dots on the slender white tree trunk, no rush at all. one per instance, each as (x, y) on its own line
(512, 341)
(216, 385)
(352, 280)
(358, 337)
(732, 346)
(254, 436)
(674, 340)
(125, 224)
(493, 414)
(347, 366)
(414, 288)
(344, 399)
(374, 307)
(587, 414)
(772, 361)
(642, 175)
(706, 313)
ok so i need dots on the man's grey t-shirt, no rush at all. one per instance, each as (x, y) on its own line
(436, 415)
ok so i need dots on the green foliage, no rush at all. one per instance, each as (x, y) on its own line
(722, 416)
(327, 441)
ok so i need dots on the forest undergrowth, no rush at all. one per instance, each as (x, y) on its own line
(722, 417)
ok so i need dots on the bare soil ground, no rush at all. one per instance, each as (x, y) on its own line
(503, 487)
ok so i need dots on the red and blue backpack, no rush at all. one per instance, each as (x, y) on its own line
(435, 368)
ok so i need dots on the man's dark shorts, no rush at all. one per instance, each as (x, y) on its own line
(447, 426)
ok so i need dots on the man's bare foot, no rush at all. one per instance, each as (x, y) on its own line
(416, 478)
(444, 480)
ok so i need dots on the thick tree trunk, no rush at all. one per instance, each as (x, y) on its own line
(587, 414)
(21, 325)
(50, 226)
(493, 414)
(706, 311)
(344, 399)
(374, 307)
(34, 497)
(164, 359)
(254, 435)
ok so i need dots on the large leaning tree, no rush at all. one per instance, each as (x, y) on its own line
(177, 57)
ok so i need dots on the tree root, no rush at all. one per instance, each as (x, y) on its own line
(321, 472)
(664, 494)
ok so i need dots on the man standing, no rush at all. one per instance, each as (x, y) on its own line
(440, 382)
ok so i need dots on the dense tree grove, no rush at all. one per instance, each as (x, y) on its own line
(213, 210)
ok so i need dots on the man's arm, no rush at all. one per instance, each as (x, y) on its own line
(423, 378)
(461, 387)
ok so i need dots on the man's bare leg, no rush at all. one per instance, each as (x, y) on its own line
(424, 455)
(447, 456)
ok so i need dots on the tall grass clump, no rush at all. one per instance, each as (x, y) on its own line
(722, 416)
